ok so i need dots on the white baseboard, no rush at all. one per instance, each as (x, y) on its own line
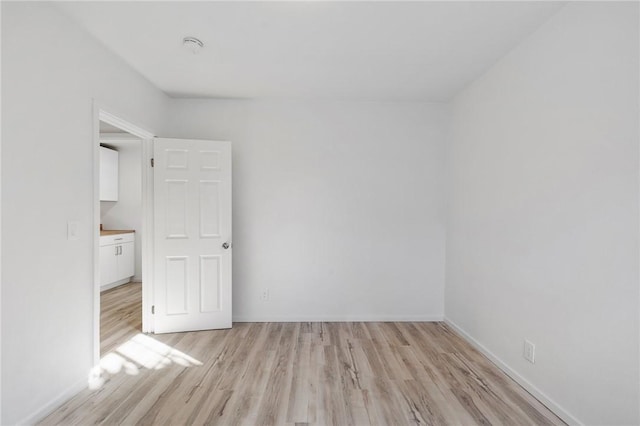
(56, 402)
(339, 318)
(115, 284)
(528, 386)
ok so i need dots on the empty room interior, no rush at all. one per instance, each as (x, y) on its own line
(320, 213)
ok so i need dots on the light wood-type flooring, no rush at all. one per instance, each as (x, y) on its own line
(294, 374)
(120, 315)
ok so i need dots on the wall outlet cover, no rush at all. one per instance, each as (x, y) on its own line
(264, 296)
(529, 352)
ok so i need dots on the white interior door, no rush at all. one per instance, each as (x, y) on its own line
(192, 235)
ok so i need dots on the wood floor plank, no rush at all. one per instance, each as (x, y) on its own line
(293, 374)
(298, 403)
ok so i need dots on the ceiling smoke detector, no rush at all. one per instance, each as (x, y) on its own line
(192, 44)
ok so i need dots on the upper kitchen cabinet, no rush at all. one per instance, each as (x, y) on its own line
(108, 174)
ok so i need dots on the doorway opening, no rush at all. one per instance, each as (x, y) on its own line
(120, 248)
(184, 236)
(122, 220)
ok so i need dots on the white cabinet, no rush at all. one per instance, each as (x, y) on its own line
(108, 265)
(117, 259)
(126, 260)
(108, 174)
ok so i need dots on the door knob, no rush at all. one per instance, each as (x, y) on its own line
(226, 245)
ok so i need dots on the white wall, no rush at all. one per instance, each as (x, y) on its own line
(542, 239)
(51, 71)
(338, 206)
(0, 239)
(126, 213)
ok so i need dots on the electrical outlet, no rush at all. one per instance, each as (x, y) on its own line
(529, 352)
(264, 296)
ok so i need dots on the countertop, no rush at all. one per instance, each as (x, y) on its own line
(104, 232)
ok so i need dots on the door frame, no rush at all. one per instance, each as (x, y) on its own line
(106, 114)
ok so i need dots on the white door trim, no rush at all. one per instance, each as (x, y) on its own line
(147, 236)
(106, 114)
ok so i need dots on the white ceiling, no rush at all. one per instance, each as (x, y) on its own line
(343, 50)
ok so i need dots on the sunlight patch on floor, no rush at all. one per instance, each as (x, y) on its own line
(141, 351)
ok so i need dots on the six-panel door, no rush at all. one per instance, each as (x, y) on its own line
(192, 223)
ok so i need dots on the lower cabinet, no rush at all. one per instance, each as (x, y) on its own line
(117, 259)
